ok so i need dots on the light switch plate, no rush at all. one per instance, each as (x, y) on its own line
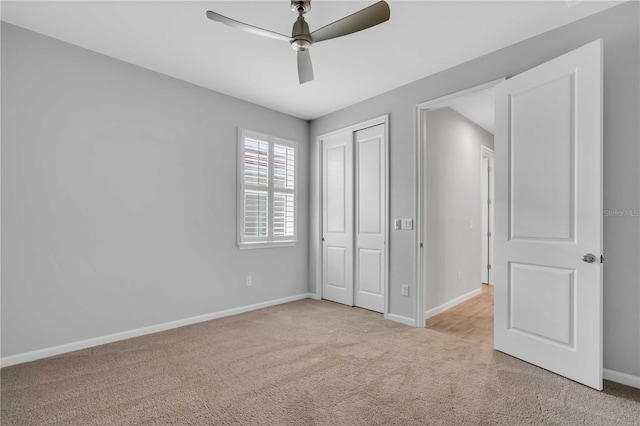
(407, 224)
(397, 224)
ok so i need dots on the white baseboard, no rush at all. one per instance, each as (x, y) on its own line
(96, 341)
(623, 378)
(450, 304)
(402, 320)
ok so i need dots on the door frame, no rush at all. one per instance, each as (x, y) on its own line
(488, 153)
(421, 196)
(384, 120)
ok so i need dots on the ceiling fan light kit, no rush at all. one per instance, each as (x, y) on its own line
(301, 38)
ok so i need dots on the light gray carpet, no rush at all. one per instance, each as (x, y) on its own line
(302, 363)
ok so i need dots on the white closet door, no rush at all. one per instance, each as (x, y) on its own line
(337, 218)
(548, 281)
(370, 223)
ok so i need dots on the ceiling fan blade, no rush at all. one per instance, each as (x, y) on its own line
(245, 27)
(366, 18)
(305, 70)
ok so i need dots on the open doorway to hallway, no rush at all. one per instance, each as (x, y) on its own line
(548, 282)
(458, 216)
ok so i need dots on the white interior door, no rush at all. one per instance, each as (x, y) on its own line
(370, 223)
(548, 152)
(337, 218)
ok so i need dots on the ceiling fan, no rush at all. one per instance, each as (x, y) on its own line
(301, 39)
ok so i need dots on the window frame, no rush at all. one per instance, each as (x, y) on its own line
(270, 240)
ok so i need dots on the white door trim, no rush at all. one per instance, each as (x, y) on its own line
(486, 153)
(384, 119)
(421, 198)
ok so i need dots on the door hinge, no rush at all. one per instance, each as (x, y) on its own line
(489, 234)
(601, 258)
(420, 245)
(489, 266)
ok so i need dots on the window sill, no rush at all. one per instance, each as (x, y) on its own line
(274, 244)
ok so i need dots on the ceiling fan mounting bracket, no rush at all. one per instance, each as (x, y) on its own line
(300, 6)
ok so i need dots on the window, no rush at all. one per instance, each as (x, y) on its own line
(266, 190)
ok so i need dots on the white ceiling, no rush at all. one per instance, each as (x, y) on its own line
(175, 38)
(479, 109)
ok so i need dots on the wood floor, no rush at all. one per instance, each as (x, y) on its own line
(470, 320)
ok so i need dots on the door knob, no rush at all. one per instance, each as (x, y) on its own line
(589, 258)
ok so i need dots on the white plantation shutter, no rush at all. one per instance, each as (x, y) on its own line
(256, 205)
(283, 215)
(256, 162)
(283, 166)
(267, 190)
(284, 190)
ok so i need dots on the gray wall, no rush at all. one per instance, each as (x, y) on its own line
(618, 27)
(453, 193)
(119, 198)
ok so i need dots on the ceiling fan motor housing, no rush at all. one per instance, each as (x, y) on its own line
(300, 36)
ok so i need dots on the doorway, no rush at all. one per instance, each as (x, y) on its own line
(457, 153)
(548, 203)
(354, 207)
